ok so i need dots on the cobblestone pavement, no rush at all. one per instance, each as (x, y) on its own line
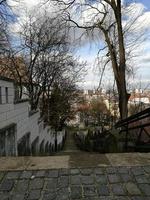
(103, 183)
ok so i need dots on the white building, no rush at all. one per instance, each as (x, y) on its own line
(135, 99)
(22, 132)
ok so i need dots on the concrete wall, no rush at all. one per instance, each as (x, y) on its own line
(26, 122)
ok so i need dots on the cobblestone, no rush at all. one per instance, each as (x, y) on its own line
(132, 189)
(145, 188)
(75, 180)
(147, 169)
(86, 171)
(141, 179)
(36, 183)
(89, 191)
(40, 173)
(140, 198)
(64, 181)
(106, 198)
(51, 184)
(118, 189)
(113, 178)
(4, 196)
(6, 185)
(49, 196)
(103, 190)
(18, 197)
(74, 171)
(53, 173)
(64, 172)
(99, 171)
(1, 176)
(26, 175)
(123, 170)
(76, 192)
(137, 170)
(63, 193)
(127, 178)
(34, 195)
(87, 180)
(13, 175)
(22, 186)
(101, 183)
(111, 170)
(101, 179)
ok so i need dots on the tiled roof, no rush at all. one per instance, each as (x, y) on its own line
(13, 69)
(137, 95)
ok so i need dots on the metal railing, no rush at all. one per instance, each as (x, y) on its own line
(139, 122)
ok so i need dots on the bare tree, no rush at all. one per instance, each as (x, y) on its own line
(10, 66)
(47, 57)
(64, 70)
(104, 18)
(43, 48)
(5, 17)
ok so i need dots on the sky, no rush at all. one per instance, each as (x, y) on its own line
(87, 51)
(141, 62)
(146, 3)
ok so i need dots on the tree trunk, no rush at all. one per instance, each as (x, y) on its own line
(123, 101)
(121, 84)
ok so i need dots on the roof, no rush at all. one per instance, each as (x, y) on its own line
(6, 79)
(13, 69)
(137, 95)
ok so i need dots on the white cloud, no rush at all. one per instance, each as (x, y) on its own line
(137, 22)
(141, 24)
(23, 9)
(146, 58)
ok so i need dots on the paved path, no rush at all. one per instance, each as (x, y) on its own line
(83, 176)
(74, 160)
(98, 183)
(70, 146)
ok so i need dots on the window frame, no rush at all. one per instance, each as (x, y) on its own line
(6, 94)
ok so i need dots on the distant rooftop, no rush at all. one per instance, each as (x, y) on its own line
(13, 69)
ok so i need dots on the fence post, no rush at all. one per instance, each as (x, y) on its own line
(126, 139)
(55, 141)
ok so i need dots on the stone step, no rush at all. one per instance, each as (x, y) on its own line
(70, 146)
(68, 152)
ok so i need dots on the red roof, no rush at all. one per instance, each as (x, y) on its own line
(13, 69)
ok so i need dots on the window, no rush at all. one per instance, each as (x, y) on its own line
(2, 144)
(16, 92)
(8, 141)
(34, 146)
(24, 145)
(0, 95)
(6, 93)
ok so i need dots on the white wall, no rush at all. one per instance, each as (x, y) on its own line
(136, 100)
(19, 113)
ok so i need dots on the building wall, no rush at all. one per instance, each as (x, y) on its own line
(26, 122)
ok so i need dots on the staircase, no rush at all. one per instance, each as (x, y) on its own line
(70, 146)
